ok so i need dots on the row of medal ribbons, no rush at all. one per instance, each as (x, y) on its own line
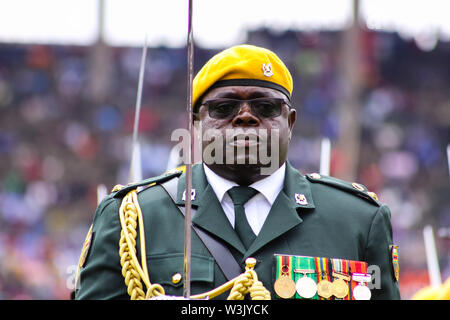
(318, 278)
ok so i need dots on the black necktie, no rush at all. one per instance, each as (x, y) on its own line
(239, 196)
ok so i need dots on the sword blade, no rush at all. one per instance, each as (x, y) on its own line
(187, 222)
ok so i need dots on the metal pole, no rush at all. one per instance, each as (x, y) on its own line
(349, 109)
(432, 257)
(325, 151)
(135, 154)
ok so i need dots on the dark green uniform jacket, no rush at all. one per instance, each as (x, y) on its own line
(336, 221)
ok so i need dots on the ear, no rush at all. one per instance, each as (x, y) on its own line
(292, 117)
(197, 126)
(197, 112)
(196, 118)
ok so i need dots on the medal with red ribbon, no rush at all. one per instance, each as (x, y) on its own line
(284, 286)
(359, 288)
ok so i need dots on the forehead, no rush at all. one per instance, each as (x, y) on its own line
(242, 92)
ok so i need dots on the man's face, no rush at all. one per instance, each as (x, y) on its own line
(259, 133)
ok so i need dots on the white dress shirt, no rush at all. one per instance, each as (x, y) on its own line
(257, 208)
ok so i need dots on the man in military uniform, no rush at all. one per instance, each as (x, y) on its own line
(249, 213)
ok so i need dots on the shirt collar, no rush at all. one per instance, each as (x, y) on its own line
(269, 187)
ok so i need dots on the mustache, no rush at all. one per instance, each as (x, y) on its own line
(253, 135)
(245, 136)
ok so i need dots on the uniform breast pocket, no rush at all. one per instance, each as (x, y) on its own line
(167, 270)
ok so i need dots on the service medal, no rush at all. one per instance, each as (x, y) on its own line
(339, 288)
(324, 289)
(342, 280)
(361, 292)
(306, 287)
(323, 284)
(284, 287)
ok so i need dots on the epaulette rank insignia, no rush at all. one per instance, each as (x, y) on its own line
(320, 278)
(354, 187)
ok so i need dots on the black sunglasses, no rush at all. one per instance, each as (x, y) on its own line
(261, 107)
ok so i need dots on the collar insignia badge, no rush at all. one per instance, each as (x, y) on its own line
(300, 199)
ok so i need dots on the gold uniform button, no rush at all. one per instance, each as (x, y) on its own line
(176, 278)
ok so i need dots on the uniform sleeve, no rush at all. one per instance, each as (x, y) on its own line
(101, 275)
(378, 256)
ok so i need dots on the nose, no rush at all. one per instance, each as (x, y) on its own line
(245, 117)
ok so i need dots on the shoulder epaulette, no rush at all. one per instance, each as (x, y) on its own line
(352, 187)
(120, 190)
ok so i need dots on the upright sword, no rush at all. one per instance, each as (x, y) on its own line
(187, 221)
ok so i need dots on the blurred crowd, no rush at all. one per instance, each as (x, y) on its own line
(66, 119)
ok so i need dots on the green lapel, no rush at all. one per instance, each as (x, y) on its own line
(209, 215)
(283, 215)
